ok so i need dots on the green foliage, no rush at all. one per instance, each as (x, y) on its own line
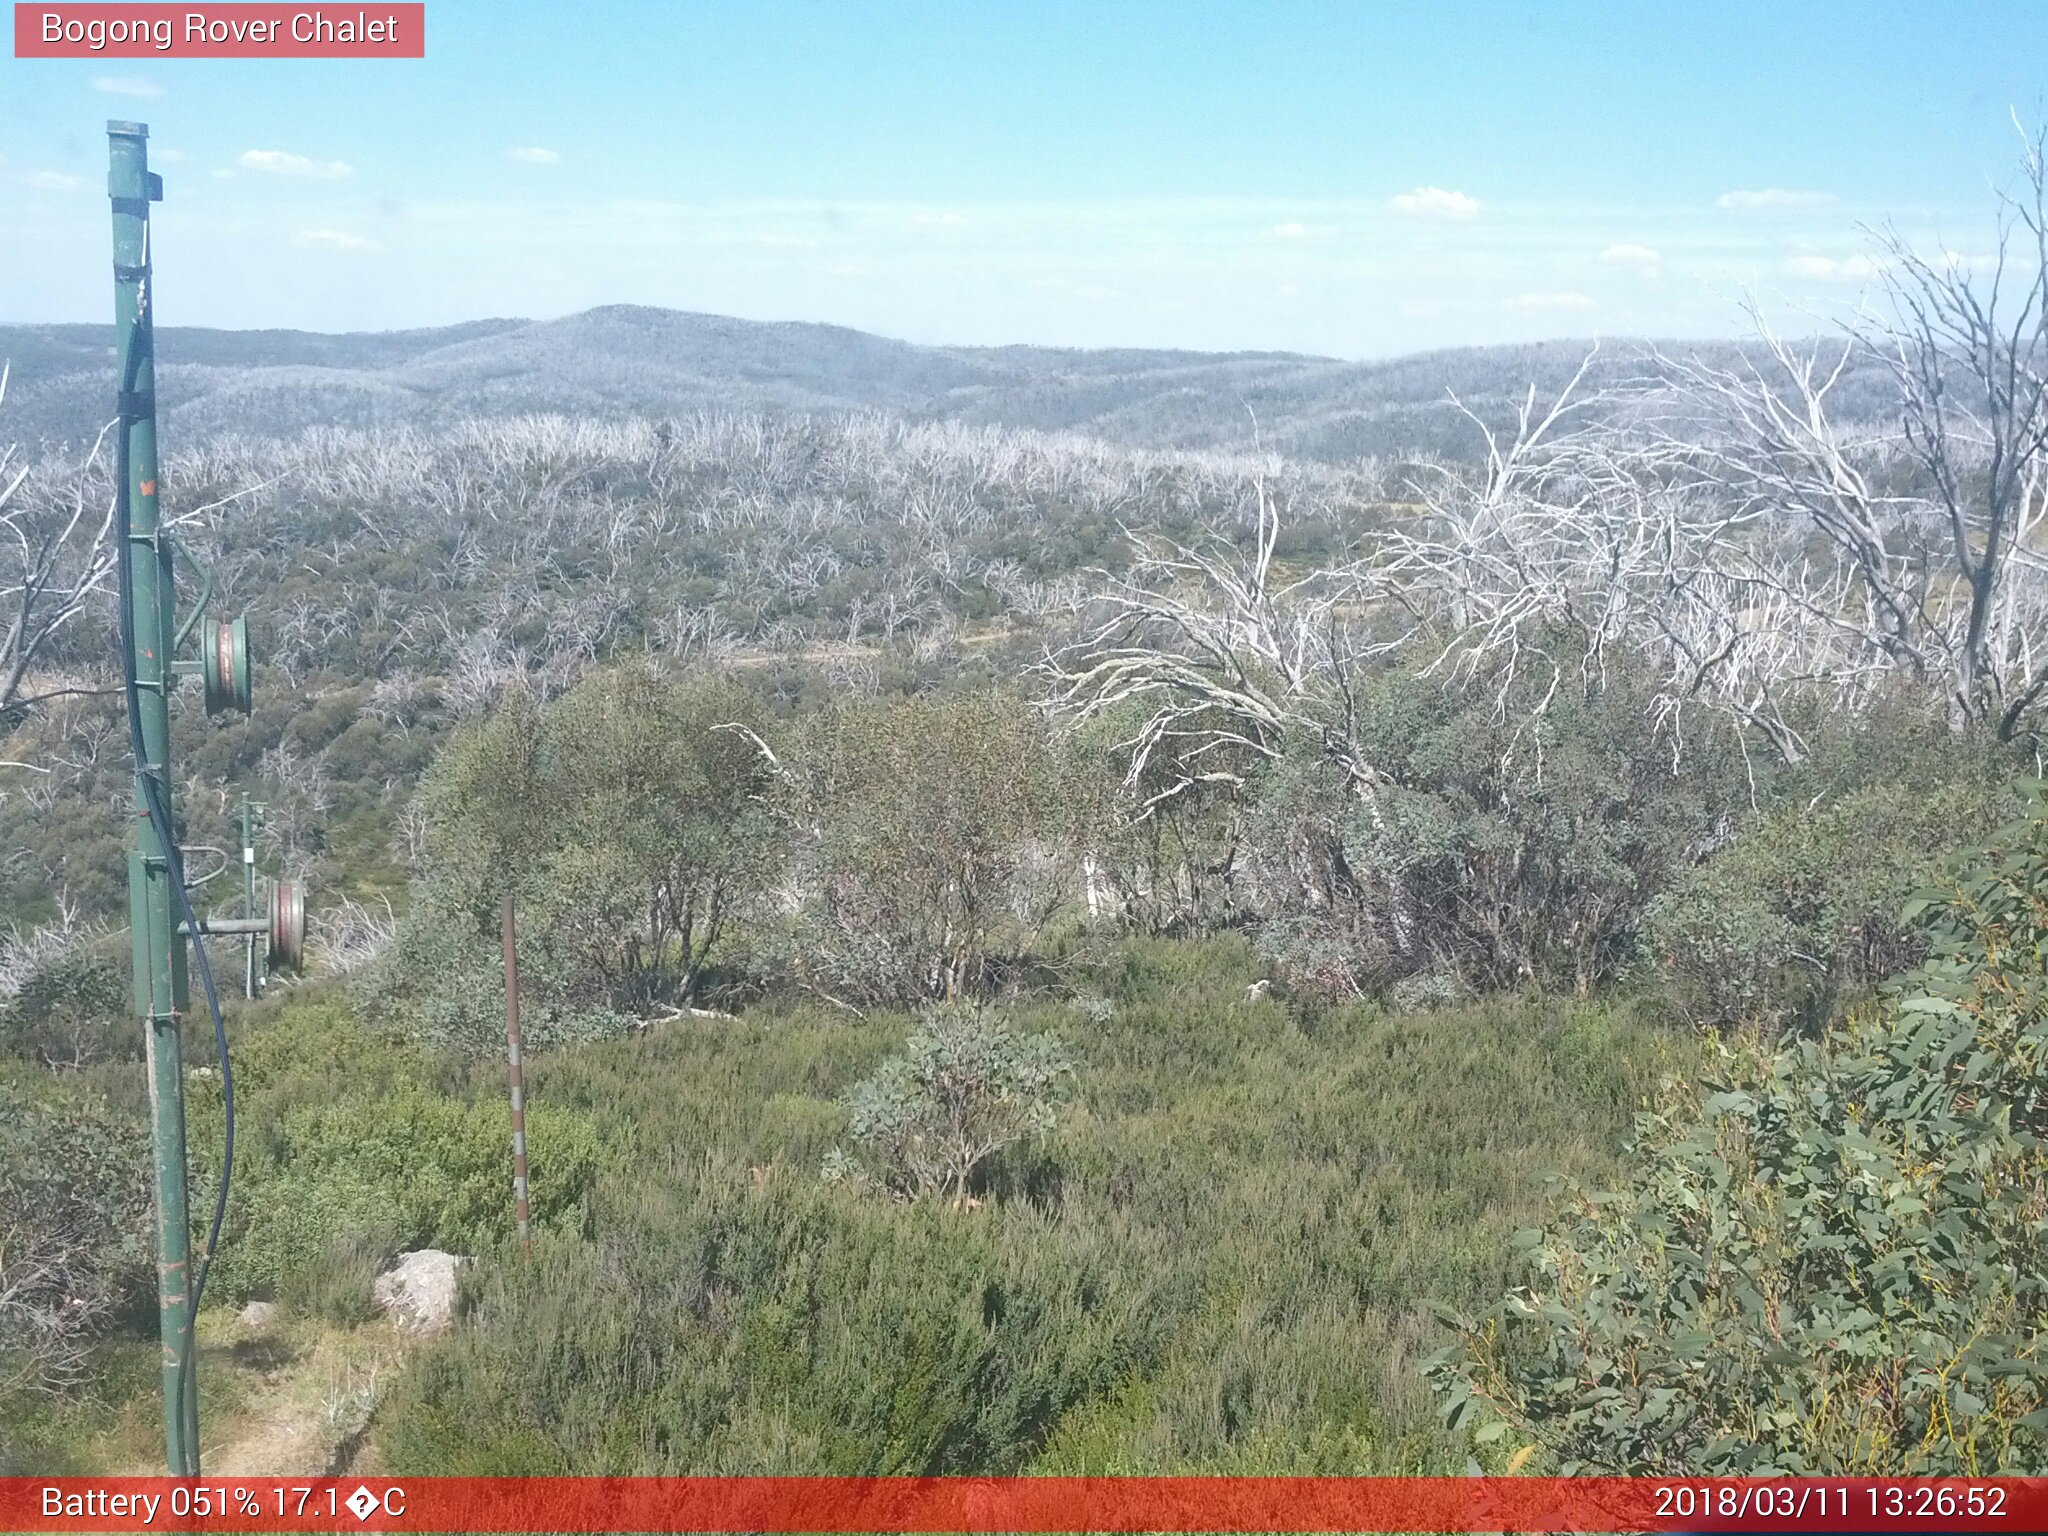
(72, 1008)
(1804, 908)
(352, 1148)
(938, 835)
(1221, 1263)
(777, 1326)
(1829, 1262)
(1512, 842)
(966, 1087)
(627, 820)
(337, 1285)
(1173, 868)
(76, 1244)
(441, 983)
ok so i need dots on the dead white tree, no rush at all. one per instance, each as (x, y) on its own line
(1970, 357)
(1585, 539)
(1222, 656)
(350, 935)
(1750, 546)
(1909, 548)
(56, 556)
(51, 1300)
(1546, 541)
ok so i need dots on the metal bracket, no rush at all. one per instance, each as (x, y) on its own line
(205, 595)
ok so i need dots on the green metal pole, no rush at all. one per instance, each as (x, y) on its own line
(159, 949)
(248, 895)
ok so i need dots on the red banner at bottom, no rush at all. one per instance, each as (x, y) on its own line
(850, 1504)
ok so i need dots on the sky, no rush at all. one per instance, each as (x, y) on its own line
(1357, 180)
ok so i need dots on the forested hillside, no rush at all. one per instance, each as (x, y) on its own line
(631, 361)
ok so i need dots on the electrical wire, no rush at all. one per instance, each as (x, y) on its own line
(160, 820)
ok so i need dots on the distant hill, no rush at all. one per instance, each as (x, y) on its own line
(660, 362)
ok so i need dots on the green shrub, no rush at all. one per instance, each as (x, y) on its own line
(71, 1009)
(76, 1238)
(338, 1284)
(1803, 909)
(352, 1148)
(1166, 850)
(1829, 1262)
(746, 1327)
(965, 1087)
(1222, 1263)
(936, 836)
(1513, 841)
(441, 983)
(628, 819)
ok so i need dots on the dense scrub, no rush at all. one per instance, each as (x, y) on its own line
(1827, 1258)
(669, 838)
(354, 1146)
(1223, 1259)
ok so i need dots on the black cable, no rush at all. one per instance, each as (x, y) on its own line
(160, 820)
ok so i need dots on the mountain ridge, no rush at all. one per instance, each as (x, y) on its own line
(638, 360)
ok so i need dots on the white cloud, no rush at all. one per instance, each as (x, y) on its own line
(221, 173)
(1828, 269)
(1436, 203)
(169, 156)
(1289, 231)
(944, 220)
(279, 163)
(53, 181)
(528, 154)
(1628, 254)
(1289, 291)
(125, 85)
(1549, 303)
(787, 242)
(1773, 197)
(335, 240)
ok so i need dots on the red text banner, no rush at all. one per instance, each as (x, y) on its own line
(828, 1504)
(358, 31)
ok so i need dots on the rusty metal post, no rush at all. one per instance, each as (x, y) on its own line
(518, 1074)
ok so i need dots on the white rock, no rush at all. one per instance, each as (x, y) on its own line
(258, 1314)
(418, 1291)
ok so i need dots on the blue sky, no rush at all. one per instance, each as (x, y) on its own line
(1355, 179)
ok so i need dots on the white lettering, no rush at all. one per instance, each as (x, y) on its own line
(200, 28)
(315, 27)
(97, 33)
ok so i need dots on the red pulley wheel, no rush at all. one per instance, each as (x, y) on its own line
(287, 926)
